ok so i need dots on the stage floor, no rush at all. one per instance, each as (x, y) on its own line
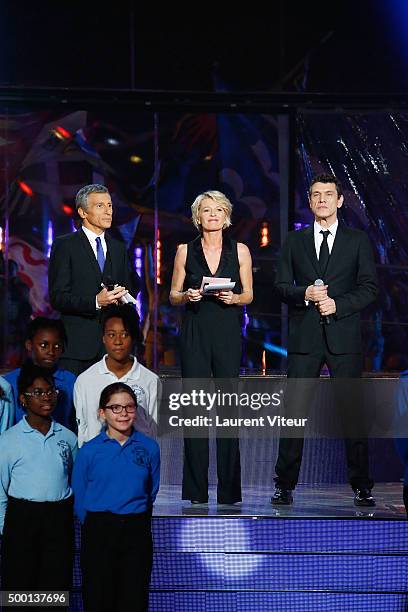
(331, 502)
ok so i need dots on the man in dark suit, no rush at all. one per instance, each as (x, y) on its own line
(324, 321)
(79, 264)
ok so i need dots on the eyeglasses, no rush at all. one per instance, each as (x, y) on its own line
(41, 393)
(118, 408)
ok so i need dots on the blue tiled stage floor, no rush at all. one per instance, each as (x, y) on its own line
(322, 553)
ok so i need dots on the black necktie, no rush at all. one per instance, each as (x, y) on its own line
(324, 252)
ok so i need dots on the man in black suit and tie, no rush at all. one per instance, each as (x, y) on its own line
(324, 321)
(79, 264)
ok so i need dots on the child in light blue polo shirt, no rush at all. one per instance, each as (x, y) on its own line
(36, 502)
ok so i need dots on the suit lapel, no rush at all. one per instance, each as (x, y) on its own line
(109, 269)
(308, 241)
(338, 250)
(89, 252)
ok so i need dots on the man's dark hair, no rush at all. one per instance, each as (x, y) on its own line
(326, 178)
(41, 323)
(117, 387)
(129, 318)
(29, 372)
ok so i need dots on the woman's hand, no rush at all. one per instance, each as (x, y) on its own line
(193, 295)
(228, 297)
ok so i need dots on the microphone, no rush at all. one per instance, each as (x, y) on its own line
(109, 283)
(324, 320)
(110, 286)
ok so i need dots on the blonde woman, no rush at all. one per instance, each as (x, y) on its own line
(210, 340)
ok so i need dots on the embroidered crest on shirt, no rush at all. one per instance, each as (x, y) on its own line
(140, 456)
(65, 452)
(140, 395)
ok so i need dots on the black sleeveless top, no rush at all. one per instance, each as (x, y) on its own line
(197, 267)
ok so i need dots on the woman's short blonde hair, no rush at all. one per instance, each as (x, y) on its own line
(217, 197)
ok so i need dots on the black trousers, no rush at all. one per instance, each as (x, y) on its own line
(210, 349)
(405, 498)
(116, 562)
(291, 450)
(37, 546)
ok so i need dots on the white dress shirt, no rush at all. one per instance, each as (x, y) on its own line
(92, 240)
(318, 237)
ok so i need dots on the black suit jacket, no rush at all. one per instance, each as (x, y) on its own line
(74, 280)
(351, 280)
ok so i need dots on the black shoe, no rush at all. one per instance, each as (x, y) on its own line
(363, 497)
(282, 497)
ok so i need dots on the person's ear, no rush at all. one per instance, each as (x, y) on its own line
(340, 201)
(81, 213)
(28, 345)
(22, 399)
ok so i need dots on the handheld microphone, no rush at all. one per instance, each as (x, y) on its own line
(324, 320)
(108, 283)
(125, 299)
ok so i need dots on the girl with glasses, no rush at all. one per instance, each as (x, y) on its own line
(36, 509)
(115, 481)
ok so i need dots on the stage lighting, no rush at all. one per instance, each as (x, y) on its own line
(265, 239)
(263, 363)
(50, 237)
(139, 270)
(61, 133)
(158, 258)
(26, 188)
(68, 210)
(196, 536)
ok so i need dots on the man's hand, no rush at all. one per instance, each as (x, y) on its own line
(107, 298)
(327, 306)
(316, 294)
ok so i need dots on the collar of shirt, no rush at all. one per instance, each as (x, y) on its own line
(133, 438)
(26, 427)
(59, 375)
(133, 372)
(318, 237)
(92, 239)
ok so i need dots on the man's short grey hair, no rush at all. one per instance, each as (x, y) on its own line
(81, 198)
(217, 197)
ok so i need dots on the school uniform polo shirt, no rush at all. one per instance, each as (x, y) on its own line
(35, 467)
(64, 382)
(110, 477)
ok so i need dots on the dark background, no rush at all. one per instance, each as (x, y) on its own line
(310, 46)
(290, 48)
